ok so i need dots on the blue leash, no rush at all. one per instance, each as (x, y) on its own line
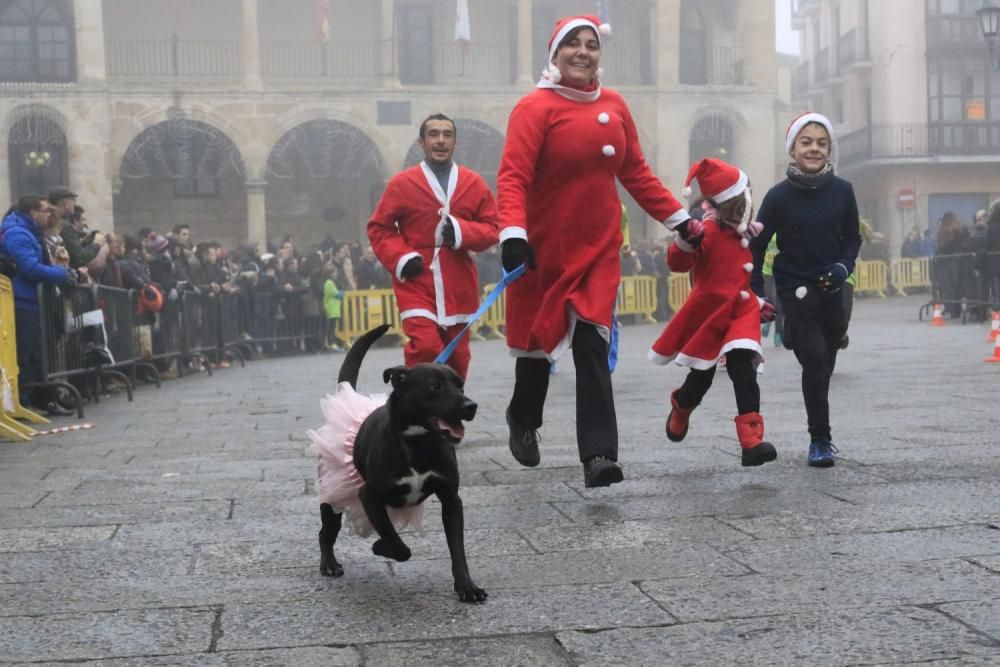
(507, 279)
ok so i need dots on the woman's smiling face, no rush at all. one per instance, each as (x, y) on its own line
(578, 57)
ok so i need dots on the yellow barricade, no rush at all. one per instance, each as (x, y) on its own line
(10, 406)
(637, 296)
(493, 319)
(364, 310)
(911, 274)
(678, 289)
(872, 277)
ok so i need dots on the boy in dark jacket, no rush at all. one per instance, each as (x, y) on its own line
(815, 216)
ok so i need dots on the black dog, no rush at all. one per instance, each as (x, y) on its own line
(405, 451)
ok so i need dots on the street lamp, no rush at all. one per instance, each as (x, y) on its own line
(989, 21)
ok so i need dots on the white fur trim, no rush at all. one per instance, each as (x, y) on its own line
(732, 190)
(445, 321)
(458, 232)
(402, 262)
(744, 242)
(513, 233)
(687, 192)
(697, 363)
(603, 118)
(683, 245)
(608, 150)
(801, 121)
(744, 294)
(676, 218)
(748, 267)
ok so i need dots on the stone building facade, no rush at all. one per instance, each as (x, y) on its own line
(252, 119)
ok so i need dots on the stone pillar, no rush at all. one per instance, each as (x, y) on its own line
(524, 46)
(91, 164)
(90, 58)
(666, 41)
(251, 45)
(390, 71)
(257, 213)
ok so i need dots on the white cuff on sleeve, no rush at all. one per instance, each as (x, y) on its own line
(402, 262)
(683, 245)
(458, 232)
(513, 233)
(679, 216)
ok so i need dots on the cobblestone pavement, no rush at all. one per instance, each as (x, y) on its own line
(182, 531)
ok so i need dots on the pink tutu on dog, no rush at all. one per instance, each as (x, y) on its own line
(338, 481)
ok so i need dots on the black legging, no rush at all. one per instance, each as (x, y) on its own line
(817, 324)
(596, 424)
(739, 366)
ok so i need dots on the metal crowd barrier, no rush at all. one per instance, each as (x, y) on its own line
(364, 310)
(872, 277)
(637, 296)
(956, 285)
(678, 289)
(911, 273)
(287, 317)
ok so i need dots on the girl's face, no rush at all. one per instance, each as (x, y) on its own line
(731, 211)
(578, 57)
(811, 150)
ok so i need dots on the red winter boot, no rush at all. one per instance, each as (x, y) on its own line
(677, 420)
(750, 431)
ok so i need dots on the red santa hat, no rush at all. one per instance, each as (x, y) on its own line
(718, 180)
(564, 26)
(804, 119)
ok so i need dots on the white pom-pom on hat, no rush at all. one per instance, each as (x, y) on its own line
(608, 150)
(600, 73)
(604, 29)
(686, 192)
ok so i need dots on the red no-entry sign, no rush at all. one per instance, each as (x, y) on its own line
(906, 198)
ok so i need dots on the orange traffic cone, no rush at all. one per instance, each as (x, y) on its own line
(938, 319)
(994, 326)
(995, 359)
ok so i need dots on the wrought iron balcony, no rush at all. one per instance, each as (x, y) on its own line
(852, 51)
(174, 58)
(951, 32)
(919, 142)
(723, 65)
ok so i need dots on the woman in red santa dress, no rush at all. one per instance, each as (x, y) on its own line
(721, 317)
(559, 213)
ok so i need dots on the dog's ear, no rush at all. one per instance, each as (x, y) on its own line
(397, 374)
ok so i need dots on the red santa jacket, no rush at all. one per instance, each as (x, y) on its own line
(408, 221)
(721, 313)
(556, 188)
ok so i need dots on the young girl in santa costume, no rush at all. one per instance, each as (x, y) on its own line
(721, 318)
(815, 216)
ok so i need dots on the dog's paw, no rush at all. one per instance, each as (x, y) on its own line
(469, 592)
(400, 552)
(333, 569)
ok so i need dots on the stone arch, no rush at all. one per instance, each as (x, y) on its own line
(479, 148)
(324, 177)
(37, 149)
(714, 134)
(182, 170)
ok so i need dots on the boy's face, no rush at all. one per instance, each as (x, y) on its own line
(811, 150)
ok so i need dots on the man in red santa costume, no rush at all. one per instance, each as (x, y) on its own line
(721, 317)
(567, 142)
(429, 219)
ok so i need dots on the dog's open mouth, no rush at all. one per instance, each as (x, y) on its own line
(453, 431)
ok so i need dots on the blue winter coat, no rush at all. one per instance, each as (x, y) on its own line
(21, 240)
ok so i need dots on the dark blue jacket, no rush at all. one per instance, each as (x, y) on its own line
(21, 240)
(815, 228)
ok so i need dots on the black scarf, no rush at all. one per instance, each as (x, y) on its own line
(806, 181)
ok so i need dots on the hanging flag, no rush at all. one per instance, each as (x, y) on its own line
(463, 33)
(323, 20)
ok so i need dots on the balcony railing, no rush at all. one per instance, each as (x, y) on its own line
(482, 63)
(311, 60)
(953, 31)
(722, 65)
(625, 65)
(158, 58)
(900, 142)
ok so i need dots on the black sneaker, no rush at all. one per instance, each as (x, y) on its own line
(523, 444)
(599, 471)
(56, 410)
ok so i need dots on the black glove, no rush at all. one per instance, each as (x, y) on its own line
(448, 234)
(832, 278)
(412, 268)
(514, 253)
(691, 231)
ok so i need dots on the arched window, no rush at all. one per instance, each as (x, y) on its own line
(36, 150)
(711, 137)
(36, 40)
